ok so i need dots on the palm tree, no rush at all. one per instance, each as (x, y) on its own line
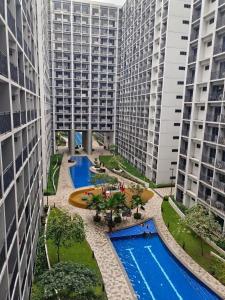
(116, 204)
(137, 202)
(98, 204)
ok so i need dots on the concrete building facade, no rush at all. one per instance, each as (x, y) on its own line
(201, 176)
(84, 46)
(21, 169)
(154, 42)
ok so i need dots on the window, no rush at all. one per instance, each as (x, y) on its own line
(177, 110)
(176, 124)
(181, 68)
(204, 88)
(175, 137)
(179, 97)
(209, 44)
(185, 22)
(200, 126)
(202, 107)
(180, 82)
(211, 21)
(184, 37)
(207, 67)
(196, 165)
(183, 53)
(174, 150)
(173, 163)
(198, 146)
(172, 177)
(187, 6)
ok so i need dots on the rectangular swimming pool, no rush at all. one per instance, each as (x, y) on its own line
(152, 269)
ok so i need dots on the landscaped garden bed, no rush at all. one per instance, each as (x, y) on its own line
(196, 247)
(53, 175)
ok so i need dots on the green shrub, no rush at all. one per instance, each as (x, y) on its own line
(85, 198)
(221, 244)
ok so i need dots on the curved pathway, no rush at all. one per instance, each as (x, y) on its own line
(116, 284)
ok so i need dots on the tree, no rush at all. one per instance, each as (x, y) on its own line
(98, 204)
(202, 223)
(64, 229)
(138, 203)
(136, 189)
(116, 204)
(113, 149)
(115, 161)
(68, 279)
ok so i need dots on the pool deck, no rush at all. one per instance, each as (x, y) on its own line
(115, 280)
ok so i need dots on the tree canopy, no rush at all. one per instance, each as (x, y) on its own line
(68, 279)
(64, 229)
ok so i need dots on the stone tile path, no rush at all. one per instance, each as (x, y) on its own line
(116, 284)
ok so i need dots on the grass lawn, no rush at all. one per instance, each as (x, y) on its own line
(79, 253)
(105, 159)
(191, 242)
(55, 162)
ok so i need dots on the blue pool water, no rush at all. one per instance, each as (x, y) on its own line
(78, 138)
(80, 173)
(153, 271)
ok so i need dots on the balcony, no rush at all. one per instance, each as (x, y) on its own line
(218, 75)
(221, 2)
(216, 96)
(219, 49)
(219, 185)
(16, 119)
(207, 179)
(21, 78)
(192, 58)
(211, 137)
(13, 72)
(19, 162)
(25, 154)
(19, 36)
(190, 79)
(5, 122)
(220, 21)
(8, 175)
(220, 164)
(3, 64)
(11, 21)
(2, 9)
(194, 35)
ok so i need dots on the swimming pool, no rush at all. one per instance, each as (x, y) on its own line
(78, 138)
(80, 173)
(152, 269)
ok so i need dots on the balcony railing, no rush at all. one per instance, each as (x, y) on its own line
(219, 49)
(16, 119)
(3, 64)
(190, 79)
(11, 21)
(192, 58)
(220, 164)
(194, 35)
(206, 179)
(211, 137)
(220, 185)
(221, 2)
(216, 96)
(5, 122)
(208, 159)
(8, 175)
(221, 21)
(218, 75)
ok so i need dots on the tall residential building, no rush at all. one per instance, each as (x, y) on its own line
(153, 49)
(201, 175)
(84, 45)
(21, 153)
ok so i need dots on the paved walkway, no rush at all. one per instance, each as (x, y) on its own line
(116, 284)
